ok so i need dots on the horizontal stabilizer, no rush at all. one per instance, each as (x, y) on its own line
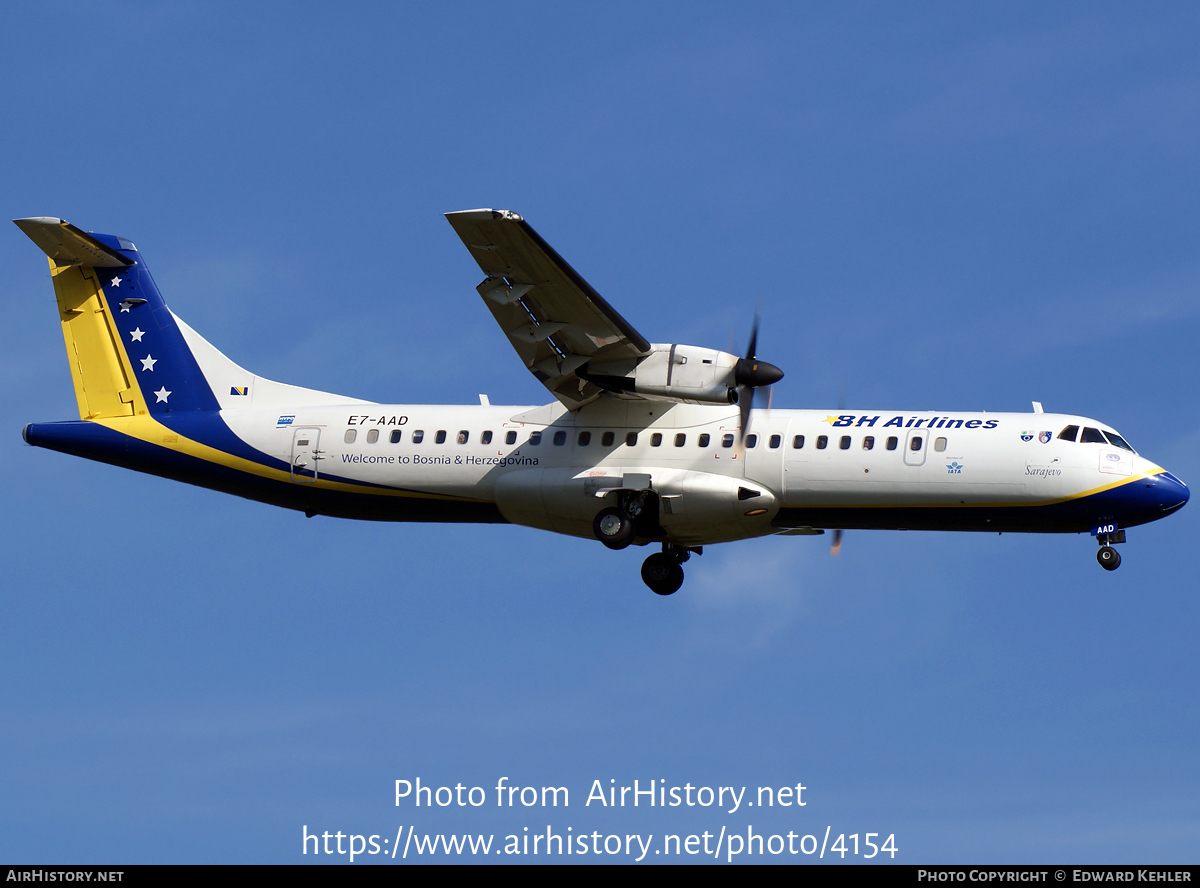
(67, 245)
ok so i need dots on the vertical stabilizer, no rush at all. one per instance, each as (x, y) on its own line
(126, 352)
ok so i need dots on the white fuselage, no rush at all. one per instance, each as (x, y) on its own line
(869, 461)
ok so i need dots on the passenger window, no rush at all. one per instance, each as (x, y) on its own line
(631, 439)
(1069, 433)
(844, 444)
(798, 442)
(395, 438)
(560, 438)
(869, 443)
(418, 436)
(606, 439)
(703, 440)
(440, 437)
(510, 438)
(680, 440)
(915, 443)
(655, 439)
(751, 442)
(372, 436)
(939, 445)
(585, 438)
(775, 441)
(822, 442)
(893, 443)
(1117, 441)
(463, 436)
(535, 438)
(485, 438)
(350, 435)
(1091, 436)
(727, 440)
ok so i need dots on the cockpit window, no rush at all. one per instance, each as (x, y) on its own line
(1091, 436)
(1069, 433)
(1117, 441)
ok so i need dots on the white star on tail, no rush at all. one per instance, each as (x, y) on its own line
(136, 335)
(161, 395)
(148, 364)
(116, 282)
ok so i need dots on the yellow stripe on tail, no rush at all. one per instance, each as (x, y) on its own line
(100, 368)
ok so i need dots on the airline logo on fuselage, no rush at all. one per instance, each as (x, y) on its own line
(846, 420)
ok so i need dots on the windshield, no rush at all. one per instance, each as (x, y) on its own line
(1117, 441)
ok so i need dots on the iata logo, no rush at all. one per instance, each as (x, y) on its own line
(954, 468)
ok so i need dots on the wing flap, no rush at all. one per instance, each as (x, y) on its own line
(554, 319)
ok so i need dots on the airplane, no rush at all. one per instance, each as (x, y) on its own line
(644, 443)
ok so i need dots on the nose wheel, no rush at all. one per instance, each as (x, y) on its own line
(1109, 558)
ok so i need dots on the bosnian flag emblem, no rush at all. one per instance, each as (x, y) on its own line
(239, 390)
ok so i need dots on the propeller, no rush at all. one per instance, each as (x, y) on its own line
(836, 547)
(750, 373)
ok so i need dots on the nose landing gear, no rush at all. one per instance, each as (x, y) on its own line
(663, 571)
(1109, 558)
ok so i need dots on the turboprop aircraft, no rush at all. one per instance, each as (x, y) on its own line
(644, 443)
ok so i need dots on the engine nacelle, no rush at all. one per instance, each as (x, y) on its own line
(685, 373)
(683, 507)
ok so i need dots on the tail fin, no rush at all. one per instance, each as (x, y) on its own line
(127, 354)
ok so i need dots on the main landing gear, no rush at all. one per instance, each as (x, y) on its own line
(615, 527)
(663, 571)
(1109, 558)
(636, 515)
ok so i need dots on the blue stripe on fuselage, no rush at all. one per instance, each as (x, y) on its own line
(95, 441)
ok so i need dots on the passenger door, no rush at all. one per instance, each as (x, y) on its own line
(306, 455)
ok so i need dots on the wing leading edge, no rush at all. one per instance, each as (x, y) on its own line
(554, 318)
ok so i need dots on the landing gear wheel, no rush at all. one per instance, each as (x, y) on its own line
(1109, 558)
(662, 573)
(613, 529)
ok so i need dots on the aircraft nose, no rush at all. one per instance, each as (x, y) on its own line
(1173, 494)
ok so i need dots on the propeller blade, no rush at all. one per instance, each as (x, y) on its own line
(751, 373)
(745, 403)
(837, 543)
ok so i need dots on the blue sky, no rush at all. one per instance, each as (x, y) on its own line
(952, 206)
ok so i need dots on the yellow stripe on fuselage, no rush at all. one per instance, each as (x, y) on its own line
(151, 431)
(971, 505)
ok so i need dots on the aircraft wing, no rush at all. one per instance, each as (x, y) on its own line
(551, 315)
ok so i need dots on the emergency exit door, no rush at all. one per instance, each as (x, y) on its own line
(915, 447)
